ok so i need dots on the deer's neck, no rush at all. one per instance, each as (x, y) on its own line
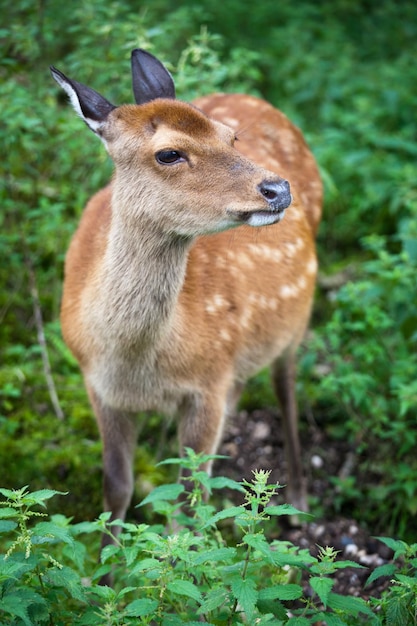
(144, 270)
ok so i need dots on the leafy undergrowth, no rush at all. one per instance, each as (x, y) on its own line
(184, 571)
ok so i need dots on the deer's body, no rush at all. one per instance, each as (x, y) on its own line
(172, 298)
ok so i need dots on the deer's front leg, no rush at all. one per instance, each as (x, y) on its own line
(201, 426)
(119, 430)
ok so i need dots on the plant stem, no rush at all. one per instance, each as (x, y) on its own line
(37, 310)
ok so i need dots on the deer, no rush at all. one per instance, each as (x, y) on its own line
(183, 278)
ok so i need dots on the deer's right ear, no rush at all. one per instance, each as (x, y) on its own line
(150, 78)
(90, 105)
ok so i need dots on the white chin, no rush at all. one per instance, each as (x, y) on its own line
(264, 218)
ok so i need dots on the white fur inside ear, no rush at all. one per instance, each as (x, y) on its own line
(71, 93)
(93, 124)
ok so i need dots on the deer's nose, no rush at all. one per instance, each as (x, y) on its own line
(276, 193)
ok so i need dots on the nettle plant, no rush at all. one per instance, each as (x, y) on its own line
(184, 576)
(369, 349)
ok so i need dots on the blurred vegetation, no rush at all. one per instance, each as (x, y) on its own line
(345, 72)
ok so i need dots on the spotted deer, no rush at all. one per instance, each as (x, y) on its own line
(183, 279)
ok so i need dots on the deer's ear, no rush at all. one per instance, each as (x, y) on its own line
(90, 105)
(150, 78)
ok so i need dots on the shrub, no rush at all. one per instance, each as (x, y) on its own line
(369, 347)
(166, 577)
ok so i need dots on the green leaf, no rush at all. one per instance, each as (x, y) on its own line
(330, 619)
(194, 623)
(172, 620)
(283, 509)
(12, 569)
(214, 599)
(215, 555)
(409, 581)
(106, 594)
(281, 592)
(399, 547)
(48, 531)
(398, 612)
(273, 607)
(259, 542)
(12, 605)
(383, 570)
(298, 621)
(10, 494)
(19, 602)
(349, 604)
(163, 492)
(38, 497)
(221, 482)
(185, 588)
(232, 511)
(76, 553)
(108, 552)
(322, 587)
(282, 559)
(147, 565)
(246, 594)
(140, 608)
(346, 563)
(6, 526)
(7, 512)
(67, 578)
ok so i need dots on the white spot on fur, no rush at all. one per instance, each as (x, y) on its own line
(245, 317)
(292, 291)
(204, 257)
(311, 267)
(302, 282)
(224, 334)
(217, 303)
(296, 213)
(288, 291)
(219, 111)
(266, 252)
(246, 261)
(230, 121)
(293, 247)
(252, 102)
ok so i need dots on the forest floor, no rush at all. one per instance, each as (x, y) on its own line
(252, 441)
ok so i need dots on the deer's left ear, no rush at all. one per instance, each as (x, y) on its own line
(90, 105)
(150, 78)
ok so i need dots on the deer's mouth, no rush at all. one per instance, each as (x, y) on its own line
(264, 217)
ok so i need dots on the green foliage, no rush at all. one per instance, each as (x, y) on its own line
(47, 577)
(369, 347)
(399, 602)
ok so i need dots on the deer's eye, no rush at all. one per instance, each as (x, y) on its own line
(169, 157)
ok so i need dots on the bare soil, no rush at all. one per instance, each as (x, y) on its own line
(253, 441)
